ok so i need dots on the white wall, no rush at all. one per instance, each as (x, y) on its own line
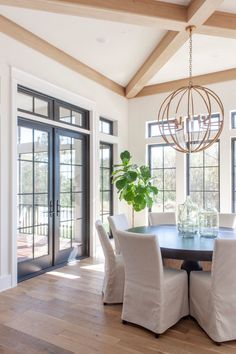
(145, 109)
(20, 64)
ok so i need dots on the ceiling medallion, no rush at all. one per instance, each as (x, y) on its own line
(191, 118)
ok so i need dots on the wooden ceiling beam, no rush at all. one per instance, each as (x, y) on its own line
(198, 12)
(140, 12)
(144, 12)
(26, 37)
(220, 24)
(206, 79)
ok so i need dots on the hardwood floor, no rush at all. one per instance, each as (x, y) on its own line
(61, 312)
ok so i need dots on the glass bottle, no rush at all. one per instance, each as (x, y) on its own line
(188, 218)
(209, 222)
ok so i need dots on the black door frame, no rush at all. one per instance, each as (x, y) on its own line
(56, 258)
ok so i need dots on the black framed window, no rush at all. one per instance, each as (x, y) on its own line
(163, 169)
(106, 187)
(233, 120)
(154, 130)
(40, 105)
(71, 115)
(203, 177)
(32, 102)
(106, 126)
(234, 174)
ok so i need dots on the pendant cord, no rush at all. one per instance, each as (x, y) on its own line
(190, 56)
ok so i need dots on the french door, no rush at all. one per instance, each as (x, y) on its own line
(52, 197)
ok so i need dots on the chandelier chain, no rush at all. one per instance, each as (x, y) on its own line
(190, 56)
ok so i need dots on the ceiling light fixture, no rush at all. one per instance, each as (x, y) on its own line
(184, 127)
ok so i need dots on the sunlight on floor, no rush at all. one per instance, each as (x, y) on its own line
(97, 267)
(64, 275)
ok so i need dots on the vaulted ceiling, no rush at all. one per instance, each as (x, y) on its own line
(131, 47)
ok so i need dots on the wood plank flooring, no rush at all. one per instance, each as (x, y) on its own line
(61, 312)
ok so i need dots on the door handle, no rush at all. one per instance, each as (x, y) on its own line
(58, 208)
(51, 211)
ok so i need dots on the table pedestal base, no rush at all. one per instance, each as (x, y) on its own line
(191, 265)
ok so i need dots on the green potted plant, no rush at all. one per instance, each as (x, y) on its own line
(134, 184)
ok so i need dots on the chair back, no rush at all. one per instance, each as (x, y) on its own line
(142, 259)
(168, 218)
(227, 220)
(224, 276)
(118, 222)
(105, 243)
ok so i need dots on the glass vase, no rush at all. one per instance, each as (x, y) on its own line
(209, 223)
(188, 218)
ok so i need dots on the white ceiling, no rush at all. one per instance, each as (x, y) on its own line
(117, 50)
(209, 54)
(228, 6)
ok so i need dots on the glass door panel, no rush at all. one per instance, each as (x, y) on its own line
(52, 197)
(34, 246)
(71, 194)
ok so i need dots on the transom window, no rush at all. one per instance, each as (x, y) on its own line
(37, 104)
(203, 177)
(163, 169)
(105, 126)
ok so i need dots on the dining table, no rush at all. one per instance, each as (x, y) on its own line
(191, 250)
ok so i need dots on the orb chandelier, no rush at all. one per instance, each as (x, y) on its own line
(191, 118)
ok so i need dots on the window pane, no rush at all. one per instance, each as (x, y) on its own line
(25, 143)
(156, 157)
(211, 155)
(25, 177)
(105, 126)
(158, 178)
(163, 157)
(40, 177)
(77, 118)
(40, 241)
(25, 244)
(25, 211)
(65, 234)
(25, 102)
(40, 107)
(203, 180)
(196, 159)
(77, 173)
(65, 115)
(76, 152)
(196, 179)
(169, 201)
(211, 178)
(169, 157)
(212, 200)
(197, 198)
(40, 146)
(169, 179)
(106, 190)
(158, 205)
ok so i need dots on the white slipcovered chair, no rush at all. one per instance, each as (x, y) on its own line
(227, 220)
(118, 222)
(154, 297)
(168, 218)
(213, 294)
(113, 285)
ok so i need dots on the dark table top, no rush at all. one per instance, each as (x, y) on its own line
(173, 245)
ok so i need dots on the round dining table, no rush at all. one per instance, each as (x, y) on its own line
(189, 249)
